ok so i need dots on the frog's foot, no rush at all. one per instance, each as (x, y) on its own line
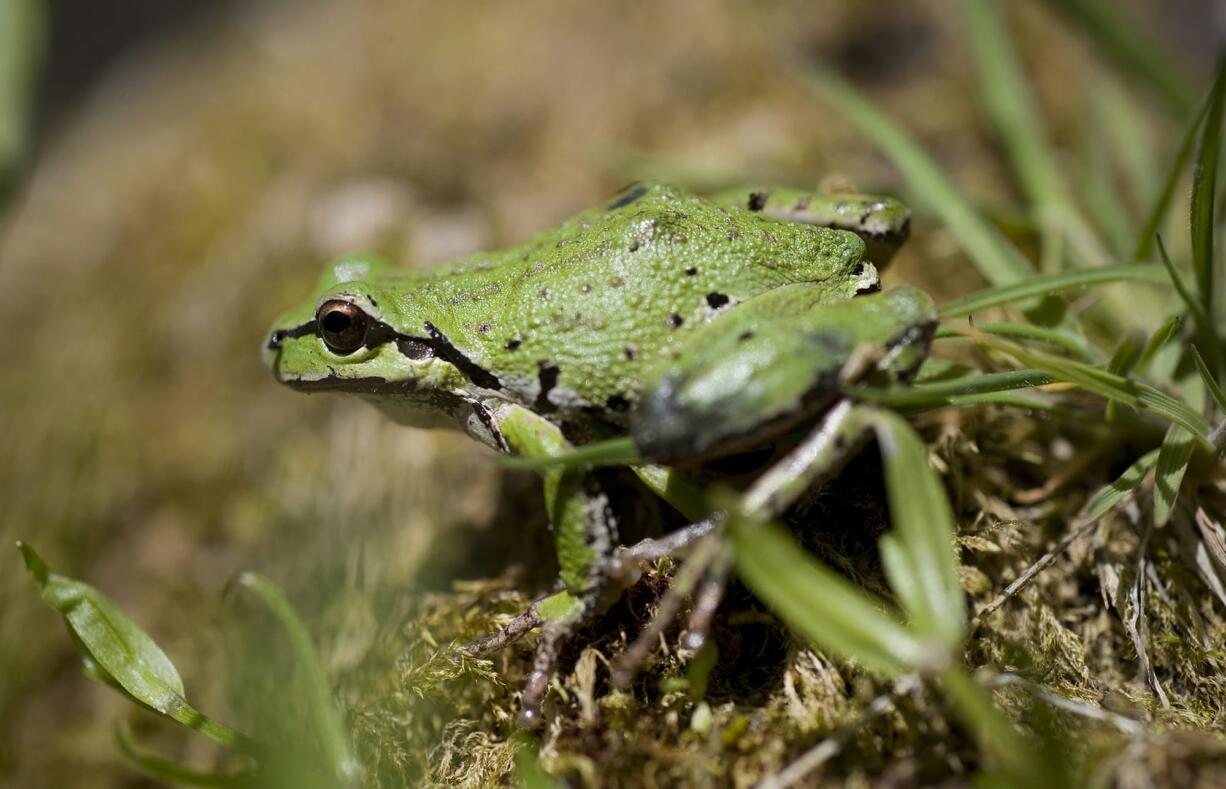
(627, 561)
(705, 570)
(516, 629)
(560, 616)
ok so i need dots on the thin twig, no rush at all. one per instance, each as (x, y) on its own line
(1123, 723)
(1034, 569)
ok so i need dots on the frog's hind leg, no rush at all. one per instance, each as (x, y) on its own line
(883, 222)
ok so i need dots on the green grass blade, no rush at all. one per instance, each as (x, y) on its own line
(610, 452)
(938, 393)
(1205, 332)
(1135, 51)
(1006, 97)
(171, 772)
(1018, 764)
(922, 567)
(818, 604)
(1145, 241)
(995, 258)
(1127, 128)
(1113, 493)
(1050, 284)
(1102, 196)
(21, 44)
(1124, 359)
(1059, 338)
(1108, 385)
(325, 718)
(120, 653)
(1215, 390)
(1204, 189)
(1156, 342)
(1173, 457)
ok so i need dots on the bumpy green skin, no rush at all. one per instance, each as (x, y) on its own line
(598, 299)
(883, 222)
(629, 316)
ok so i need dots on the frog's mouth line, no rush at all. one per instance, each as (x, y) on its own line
(414, 348)
(367, 385)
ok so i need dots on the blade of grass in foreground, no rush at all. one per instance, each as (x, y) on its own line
(918, 553)
(120, 653)
(610, 452)
(995, 258)
(818, 603)
(1204, 187)
(1128, 44)
(1051, 284)
(325, 719)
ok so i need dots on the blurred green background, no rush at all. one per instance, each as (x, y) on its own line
(191, 167)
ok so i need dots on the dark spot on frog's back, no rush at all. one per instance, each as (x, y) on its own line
(716, 300)
(674, 321)
(627, 197)
(757, 201)
(547, 375)
(617, 403)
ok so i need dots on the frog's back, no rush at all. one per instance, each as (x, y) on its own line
(570, 318)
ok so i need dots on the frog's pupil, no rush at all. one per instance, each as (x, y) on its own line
(336, 322)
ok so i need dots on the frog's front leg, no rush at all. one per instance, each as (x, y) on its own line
(585, 536)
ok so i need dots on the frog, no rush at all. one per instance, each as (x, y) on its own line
(696, 328)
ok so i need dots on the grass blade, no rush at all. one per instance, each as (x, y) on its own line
(1156, 341)
(1113, 493)
(1215, 391)
(1019, 765)
(610, 452)
(1005, 95)
(817, 603)
(326, 721)
(1050, 284)
(938, 393)
(120, 653)
(1204, 188)
(1205, 332)
(1173, 457)
(1145, 241)
(995, 258)
(1106, 384)
(919, 553)
(1135, 51)
(1065, 340)
(21, 40)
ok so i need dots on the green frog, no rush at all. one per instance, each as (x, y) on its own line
(698, 328)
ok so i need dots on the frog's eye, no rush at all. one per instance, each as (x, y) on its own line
(342, 326)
